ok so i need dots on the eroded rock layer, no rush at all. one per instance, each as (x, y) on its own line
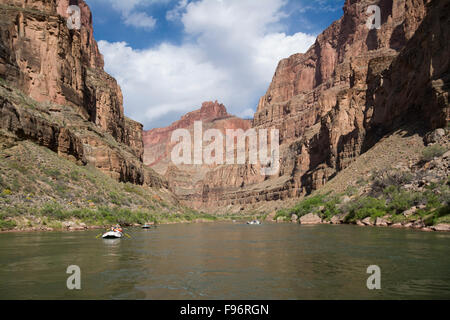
(353, 86)
(57, 66)
(187, 181)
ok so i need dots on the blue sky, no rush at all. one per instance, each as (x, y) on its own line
(171, 55)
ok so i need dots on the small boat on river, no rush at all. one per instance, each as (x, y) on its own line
(148, 225)
(115, 233)
(254, 222)
(112, 235)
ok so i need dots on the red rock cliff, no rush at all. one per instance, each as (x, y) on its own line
(157, 141)
(353, 86)
(56, 66)
(187, 180)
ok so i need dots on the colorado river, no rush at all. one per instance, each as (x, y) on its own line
(228, 261)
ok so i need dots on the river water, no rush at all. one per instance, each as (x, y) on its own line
(228, 261)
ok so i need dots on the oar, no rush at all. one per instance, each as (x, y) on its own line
(98, 236)
(127, 235)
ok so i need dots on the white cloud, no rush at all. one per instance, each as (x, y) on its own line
(139, 20)
(230, 54)
(161, 80)
(177, 11)
(132, 11)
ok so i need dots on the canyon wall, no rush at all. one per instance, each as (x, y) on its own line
(334, 102)
(59, 67)
(187, 181)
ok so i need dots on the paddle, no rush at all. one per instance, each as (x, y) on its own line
(127, 235)
(98, 236)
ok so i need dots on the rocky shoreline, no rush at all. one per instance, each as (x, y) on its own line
(309, 219)
(71, 226)
(416, 224)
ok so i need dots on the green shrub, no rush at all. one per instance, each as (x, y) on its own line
(366, 207)
(310, 204)
(331, 207)
(115, 198)
(54, 173)
(7, 224)
(17, 166)
(54, 211)
(74, 175)
(400, 200)
(131, 188)
(443, 211)
(386, 179)
(431, 152)
(283, 213)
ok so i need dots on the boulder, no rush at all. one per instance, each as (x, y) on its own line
(310, 218)
(434, 136)
(294, 218)
(336, 220)
(441, 227)
(381, 222)
(68, 224)
(407, 225)
(418, 225)
(367, 221)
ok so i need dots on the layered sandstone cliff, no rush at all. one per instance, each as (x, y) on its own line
(157, 142)
(186, 181)
(352, 87)
(59, 67)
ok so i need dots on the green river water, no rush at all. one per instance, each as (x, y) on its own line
(228, 261)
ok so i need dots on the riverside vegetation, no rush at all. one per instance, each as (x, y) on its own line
(43, 191)
(416, 197)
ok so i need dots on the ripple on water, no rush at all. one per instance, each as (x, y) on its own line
(228, 261)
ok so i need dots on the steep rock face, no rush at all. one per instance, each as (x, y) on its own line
(63, 130)
(187, 181)
(24, 124)
(134, 137)
(53, 65)
(49, 62)
(339, 98)
(409, 88)
(158, 144)
(338, 60)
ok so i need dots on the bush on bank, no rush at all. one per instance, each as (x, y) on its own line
(391, 203)
(53, 215)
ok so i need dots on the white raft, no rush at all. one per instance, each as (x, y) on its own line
(112, 235)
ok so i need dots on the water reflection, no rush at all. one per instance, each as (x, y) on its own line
(228, 261)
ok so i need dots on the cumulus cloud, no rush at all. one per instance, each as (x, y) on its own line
(177, 11)
(230, 53)
(132, 11)
(139, 20)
